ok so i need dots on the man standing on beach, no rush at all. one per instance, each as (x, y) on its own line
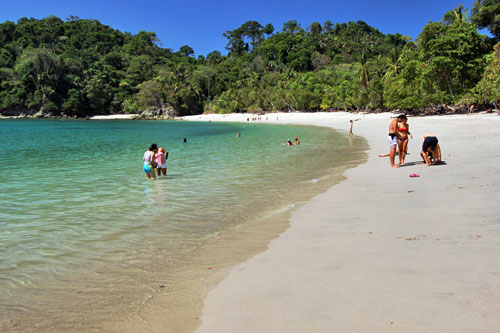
(471, 109)
(393, 138)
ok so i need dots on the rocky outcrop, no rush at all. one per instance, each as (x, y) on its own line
(39, 114)
(164, 112)
(32, 113)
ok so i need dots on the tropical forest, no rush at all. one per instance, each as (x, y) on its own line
(80, 67)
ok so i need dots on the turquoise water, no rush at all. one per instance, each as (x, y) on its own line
(85, 236)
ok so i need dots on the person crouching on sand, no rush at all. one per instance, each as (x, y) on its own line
(431, 152)
(161, 160)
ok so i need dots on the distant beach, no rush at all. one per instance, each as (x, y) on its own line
(113, 116)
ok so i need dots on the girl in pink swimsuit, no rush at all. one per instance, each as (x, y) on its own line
(161, 160)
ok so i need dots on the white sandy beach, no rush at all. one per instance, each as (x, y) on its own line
(380, 251)
(113, 117)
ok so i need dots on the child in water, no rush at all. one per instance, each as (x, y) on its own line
(161, 160)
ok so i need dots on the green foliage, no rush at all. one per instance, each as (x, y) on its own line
(453, 55)
(247, 36)
(80, 67)
(403, 91)
(142, 44)
(488, 89)
(186, 51)
(151, 93)
(486, 14)
(39, 78)
(458, 13)
(443, 65)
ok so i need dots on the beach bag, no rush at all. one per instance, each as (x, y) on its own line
(154, 165)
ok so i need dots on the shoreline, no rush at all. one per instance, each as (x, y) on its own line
(380, 250)
(242, 116)
(98, 117)
(179, 310)
(113, 117)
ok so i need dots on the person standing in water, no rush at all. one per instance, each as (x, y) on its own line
(350, 133)
(161, 161)
(149, 161)
(297, 142)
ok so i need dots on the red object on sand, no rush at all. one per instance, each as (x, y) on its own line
(414, 175)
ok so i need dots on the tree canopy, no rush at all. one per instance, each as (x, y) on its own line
(81, 67)
(486, 14)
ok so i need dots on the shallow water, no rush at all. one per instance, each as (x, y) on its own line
(85, 237)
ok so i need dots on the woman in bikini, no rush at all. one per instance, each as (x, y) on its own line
(404, 132)
(149, 161)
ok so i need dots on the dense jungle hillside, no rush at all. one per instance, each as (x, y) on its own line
(80, 67)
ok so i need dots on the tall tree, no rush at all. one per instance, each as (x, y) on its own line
(235, 43)
(488, 89)
(291, 27)
(186, 51)
(315, 28)
(253, 31)
(486, 14)
(394, 61)
(268, 29)
(453, 55)
(459, 13)
(40, 75)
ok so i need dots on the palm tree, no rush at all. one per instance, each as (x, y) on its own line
(394, 64)
(458, 14)
(363, 71)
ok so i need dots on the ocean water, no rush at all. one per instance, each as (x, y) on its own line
(86, 239)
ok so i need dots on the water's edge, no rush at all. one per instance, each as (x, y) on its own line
(233, 247)
(94, 251)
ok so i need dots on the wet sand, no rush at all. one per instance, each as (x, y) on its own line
(380, 250)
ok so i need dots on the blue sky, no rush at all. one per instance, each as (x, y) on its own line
(200, 24)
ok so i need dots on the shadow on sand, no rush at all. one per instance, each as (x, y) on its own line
(420, 162)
